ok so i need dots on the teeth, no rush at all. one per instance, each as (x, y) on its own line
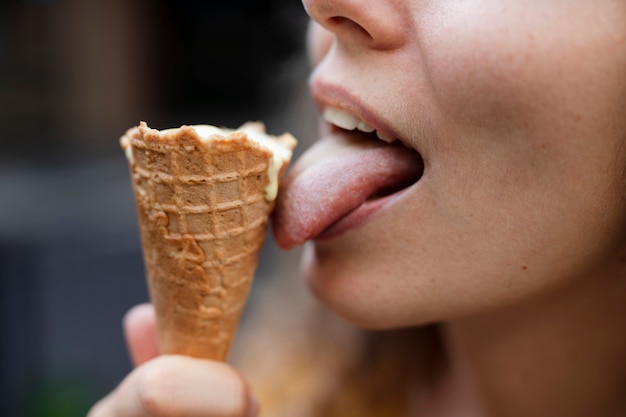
(364, 127)
(385, 138)
(341, 118)
(348, 121)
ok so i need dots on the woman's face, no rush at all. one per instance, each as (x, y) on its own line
(508, 177)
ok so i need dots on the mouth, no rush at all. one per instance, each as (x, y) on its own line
(389, 187)
(343, 122)
(358, 168)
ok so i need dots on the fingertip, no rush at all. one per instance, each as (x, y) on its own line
(138, 314)
(140, 331)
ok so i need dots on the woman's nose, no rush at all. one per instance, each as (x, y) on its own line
(377, 24)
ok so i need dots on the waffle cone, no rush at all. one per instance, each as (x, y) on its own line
(203, 215)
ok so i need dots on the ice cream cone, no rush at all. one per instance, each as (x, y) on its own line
(203, 205)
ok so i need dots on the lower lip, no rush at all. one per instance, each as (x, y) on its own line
(358, 217)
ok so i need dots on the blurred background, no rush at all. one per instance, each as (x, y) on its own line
(74, 75)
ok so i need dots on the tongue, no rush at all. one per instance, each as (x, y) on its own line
(335, 177)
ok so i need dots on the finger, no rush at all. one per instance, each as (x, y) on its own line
(141, 334)
(179, 386)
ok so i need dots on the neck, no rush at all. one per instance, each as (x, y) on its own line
(561, 356)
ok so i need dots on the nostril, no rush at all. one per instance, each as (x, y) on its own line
(377, 25)
(345, 24)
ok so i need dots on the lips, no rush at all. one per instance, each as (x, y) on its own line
(339, 184)
(359, 166)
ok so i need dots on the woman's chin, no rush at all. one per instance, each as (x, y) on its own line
(341, 290)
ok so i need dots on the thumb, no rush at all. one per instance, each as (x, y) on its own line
(141, 334)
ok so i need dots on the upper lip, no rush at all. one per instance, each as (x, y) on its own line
(333, 96)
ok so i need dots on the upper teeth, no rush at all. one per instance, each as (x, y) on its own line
(348, 121)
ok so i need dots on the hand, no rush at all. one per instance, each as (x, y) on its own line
(172, 385)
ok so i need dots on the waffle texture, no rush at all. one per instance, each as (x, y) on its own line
(203, 216)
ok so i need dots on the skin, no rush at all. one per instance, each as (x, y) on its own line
(514, 237)
(172, 385)
(519, 117)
